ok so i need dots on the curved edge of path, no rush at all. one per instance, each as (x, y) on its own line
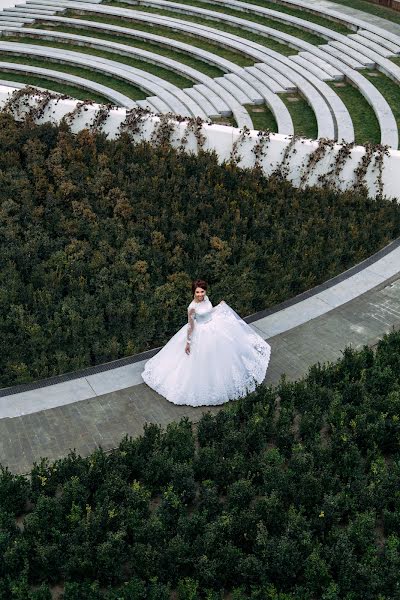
(382, 267)
(320, 327)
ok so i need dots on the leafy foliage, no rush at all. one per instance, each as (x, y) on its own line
(100, 239)
(291, 493)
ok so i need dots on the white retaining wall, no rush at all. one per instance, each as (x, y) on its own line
(221, 138)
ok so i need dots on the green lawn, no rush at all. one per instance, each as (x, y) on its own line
(48, 84)
(262, 117)
(254, 37)
(161, 72)
(111, 82)
(303, 117)
(366, 126)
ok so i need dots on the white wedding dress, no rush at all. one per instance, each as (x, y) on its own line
(226, 361)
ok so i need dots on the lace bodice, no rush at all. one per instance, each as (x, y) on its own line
(227, 358)
(198, 312)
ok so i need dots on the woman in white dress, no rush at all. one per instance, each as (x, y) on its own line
(213, 358)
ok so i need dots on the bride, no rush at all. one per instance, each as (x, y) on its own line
(213, 358)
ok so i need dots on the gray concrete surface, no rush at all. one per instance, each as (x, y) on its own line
(105, 419)
(80, 82)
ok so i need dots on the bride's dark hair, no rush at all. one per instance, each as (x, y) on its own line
(199, 283)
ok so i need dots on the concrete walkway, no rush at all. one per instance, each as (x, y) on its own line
(352, 12)
(315, 333)
(124, 373)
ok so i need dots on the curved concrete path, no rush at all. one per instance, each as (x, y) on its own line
(100, 405)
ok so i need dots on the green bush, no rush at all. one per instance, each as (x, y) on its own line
(82, 591)
(100, 239)
(41, 593)
(14, 491)
(187, 589)
(291, 493)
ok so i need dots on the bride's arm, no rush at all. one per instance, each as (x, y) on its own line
(190, 327)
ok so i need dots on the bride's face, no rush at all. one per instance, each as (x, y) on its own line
(199, 294)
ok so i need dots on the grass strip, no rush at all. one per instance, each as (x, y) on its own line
(116, 84)
(161, 72)
(182, 57)
(262, 117)
(248, 35)
(303, 117)
(256, 18)
(54, 86)
(224, 120)
(366, 125)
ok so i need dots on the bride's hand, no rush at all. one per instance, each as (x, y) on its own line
(222, 302)
(187, 349)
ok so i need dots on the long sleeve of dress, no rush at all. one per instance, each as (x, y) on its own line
(190, 327)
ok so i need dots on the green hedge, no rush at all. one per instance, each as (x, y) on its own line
(289, 494)
(99, 242)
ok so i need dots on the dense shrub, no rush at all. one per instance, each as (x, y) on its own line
(99, 241)
(291, 493)
(13, 492)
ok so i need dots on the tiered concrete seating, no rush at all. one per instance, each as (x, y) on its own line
(174, 98)
(326, 124)
(4, 23)
(371, 45)
(381, 108)
(290, 40)
(12, 19)
(252, 26)
(245, 82)
(351, 22)
(306, 72)
(383, 43)
(241, 83)
(323, 32)
(304, 24)
(352, 53)
(114, 96)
